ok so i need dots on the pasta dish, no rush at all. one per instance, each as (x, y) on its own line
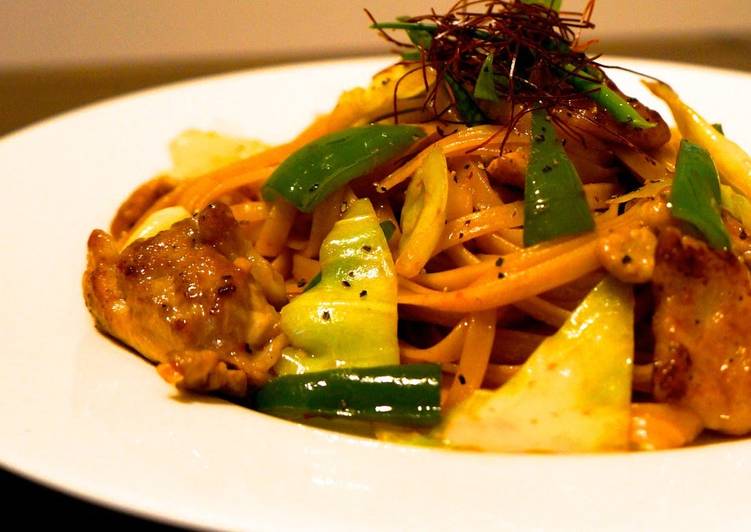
(490, 247)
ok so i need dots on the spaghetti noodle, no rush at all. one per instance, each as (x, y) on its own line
(455, 211)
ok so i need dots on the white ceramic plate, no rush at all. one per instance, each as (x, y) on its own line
(84, 415)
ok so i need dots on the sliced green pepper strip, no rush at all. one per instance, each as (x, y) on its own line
(554, 200)
(485, 84)
(465, 105)
(407, 394)
(695, 196)
(411, 55)
(388, 228)
(554, 5)
(313, 282)
(432, 29)
(349, 318)
(419, 37)
(310, 174)
(607, 98)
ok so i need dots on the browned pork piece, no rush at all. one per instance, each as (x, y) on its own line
(703, 339)
(593, 119)
(178, 299)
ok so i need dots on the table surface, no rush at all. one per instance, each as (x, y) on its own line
(29, 95)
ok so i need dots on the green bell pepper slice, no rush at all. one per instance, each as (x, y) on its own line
(319, 168)
(485, 84)
(695, 196)
(400, 394)
(349, 318)
(554, 200)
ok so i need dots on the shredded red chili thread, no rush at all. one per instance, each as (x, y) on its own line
(535, 50)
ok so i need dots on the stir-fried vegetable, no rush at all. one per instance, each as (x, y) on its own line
(736, 204)
(485, 85)
(607, 98)
(349, 317)
(196, 152)
(156, 222)
(695, 196)
(309, 175)
(733, 163)
(554, 200)
(550, 4)
(401, 82)
(423, 215)
(469, 111)
(402, 394)
(572, 395)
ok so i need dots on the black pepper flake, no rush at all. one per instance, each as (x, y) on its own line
(456, 178)
(626, 259)
(467, 222)
(539, 138)
(621, 208)
(461, 235)
(247, 348)
(313, 187)
(346, 284)
(363, 293)
(367, 249)
(466, 166)
(547, 168)
(462, 379)
(351, 274)
(501, 275)
(380, 188)
(499, 261)
(225, 290)
(325, 315)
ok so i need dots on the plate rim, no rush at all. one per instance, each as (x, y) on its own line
(228, 77)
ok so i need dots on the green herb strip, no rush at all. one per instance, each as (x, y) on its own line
(485, 84)
(554, 200)
(695, 196)
(470, 113)
(607, 98)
